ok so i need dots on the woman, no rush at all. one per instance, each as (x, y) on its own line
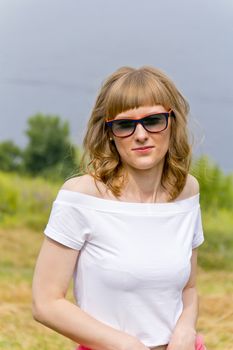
(129, 228)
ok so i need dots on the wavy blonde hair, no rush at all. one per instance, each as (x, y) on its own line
(125, 89)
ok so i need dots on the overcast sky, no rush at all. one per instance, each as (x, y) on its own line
(54, 54)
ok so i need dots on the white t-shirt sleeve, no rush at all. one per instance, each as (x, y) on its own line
(198, 237)
(66, 225)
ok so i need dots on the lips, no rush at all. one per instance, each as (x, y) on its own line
(141, 148)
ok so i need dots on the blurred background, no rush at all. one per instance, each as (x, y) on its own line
(54, 55)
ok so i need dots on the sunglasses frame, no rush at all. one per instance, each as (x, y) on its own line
(170, 113)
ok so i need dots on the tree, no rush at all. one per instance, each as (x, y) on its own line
(10, 156)
(49, 150)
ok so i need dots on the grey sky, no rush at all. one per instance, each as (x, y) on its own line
(55, 54)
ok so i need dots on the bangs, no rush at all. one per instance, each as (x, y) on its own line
(136, 89)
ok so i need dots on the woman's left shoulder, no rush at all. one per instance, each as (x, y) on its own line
(192, 185)
(191, 188)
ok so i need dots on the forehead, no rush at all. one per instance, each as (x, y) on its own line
(140, 112)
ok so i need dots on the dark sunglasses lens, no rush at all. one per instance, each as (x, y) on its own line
(155, 122)
(122, 128)
(152, 123)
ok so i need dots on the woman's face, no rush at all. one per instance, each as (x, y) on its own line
(158, 143)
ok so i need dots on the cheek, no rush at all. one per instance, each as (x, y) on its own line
(162, 142)
(166, 144)
(121, 147)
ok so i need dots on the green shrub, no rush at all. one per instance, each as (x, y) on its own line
(216, 188)
(217, 250)
(25, 201)
(9, 195)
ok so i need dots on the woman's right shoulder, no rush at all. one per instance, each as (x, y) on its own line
(83, 184)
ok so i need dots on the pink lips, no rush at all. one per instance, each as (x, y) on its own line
(143, 149)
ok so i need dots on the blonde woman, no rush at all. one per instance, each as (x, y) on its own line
(127, 230)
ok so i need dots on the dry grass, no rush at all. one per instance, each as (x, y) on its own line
(19, 331)
(216, 309)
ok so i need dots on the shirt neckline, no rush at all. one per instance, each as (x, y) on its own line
(97, 203)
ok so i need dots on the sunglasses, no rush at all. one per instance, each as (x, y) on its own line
(153, 122)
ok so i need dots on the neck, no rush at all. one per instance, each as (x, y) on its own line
(144, 185)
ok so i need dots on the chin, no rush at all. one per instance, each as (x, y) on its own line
(145, 166)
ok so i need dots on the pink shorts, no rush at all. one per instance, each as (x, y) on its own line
(198, 346)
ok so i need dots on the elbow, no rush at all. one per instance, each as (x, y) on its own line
(36, 314)
(38, 311)
(43, 309)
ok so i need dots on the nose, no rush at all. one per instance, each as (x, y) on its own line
(140, 133)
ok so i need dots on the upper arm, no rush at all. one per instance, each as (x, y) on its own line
(192, 278)
(53, 272)
(56, 261)
(192, 188)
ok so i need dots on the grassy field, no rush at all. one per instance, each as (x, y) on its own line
(18, 330)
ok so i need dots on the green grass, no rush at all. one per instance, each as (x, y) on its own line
(217, 250)
(25, 201)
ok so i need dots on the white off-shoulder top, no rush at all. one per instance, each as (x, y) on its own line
(134, 259)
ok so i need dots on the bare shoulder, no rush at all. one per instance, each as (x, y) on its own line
(190, 189)
(192, 185)
(83, 184)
